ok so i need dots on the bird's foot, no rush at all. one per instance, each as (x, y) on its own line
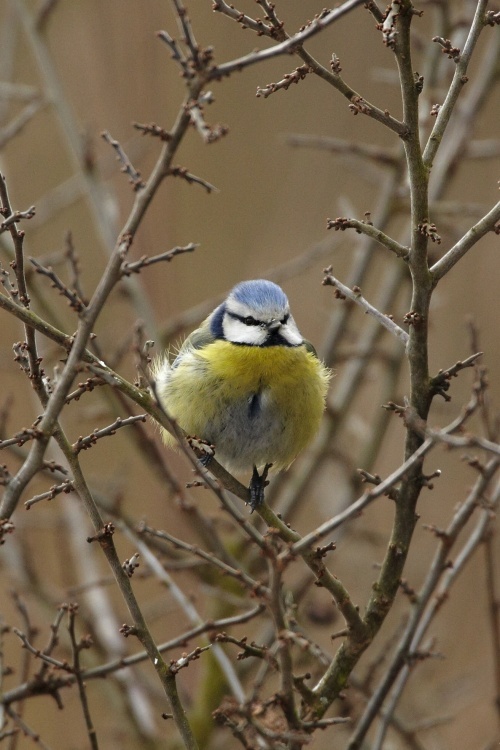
(258, 483)
(203, 449)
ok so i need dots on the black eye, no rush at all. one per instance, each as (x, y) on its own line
(249, 321)
(284, 319)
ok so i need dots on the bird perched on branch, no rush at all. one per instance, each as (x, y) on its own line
(247, 382)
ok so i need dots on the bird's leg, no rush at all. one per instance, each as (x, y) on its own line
(205, 460)
(258, 483)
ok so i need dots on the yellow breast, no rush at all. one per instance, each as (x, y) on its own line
(256, 404)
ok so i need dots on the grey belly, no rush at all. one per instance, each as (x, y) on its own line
(248, 433)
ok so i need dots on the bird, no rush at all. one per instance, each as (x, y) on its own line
(246, 382)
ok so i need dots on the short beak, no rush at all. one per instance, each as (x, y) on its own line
(273, 326)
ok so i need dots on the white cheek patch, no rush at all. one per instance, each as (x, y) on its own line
(290, 333)
(239, 333)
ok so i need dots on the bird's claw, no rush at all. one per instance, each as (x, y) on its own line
(258, 483)
(203, 449)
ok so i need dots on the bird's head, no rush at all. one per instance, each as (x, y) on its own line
(256, 313)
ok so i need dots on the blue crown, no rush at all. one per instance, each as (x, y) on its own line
(260, 294)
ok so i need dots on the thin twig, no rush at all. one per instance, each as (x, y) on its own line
(288, 45)
(127, 167)
(74, 300)
(428, 601)
(366, 227)
(16, 125)
(381, 489)
(186, 29)
(493, 595)
(83, 443)
(459, 79)
(77, 647)
(355, 296)
(179, 58)
(192, 179)
(489, 223)
(256, 586)
(188, 608)
(377, 154)
(26, 729)
(295, 44)
(67, 486)
(129, 267)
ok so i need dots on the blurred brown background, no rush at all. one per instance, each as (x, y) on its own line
(102, 68)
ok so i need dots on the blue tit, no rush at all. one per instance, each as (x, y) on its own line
(247, 382)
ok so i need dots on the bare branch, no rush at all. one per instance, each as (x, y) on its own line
(209, 133)
(298, 75)
(204, 627)
(83, 443)
(67, 486)
(74, 300)
(441, 383)
(22, 437)
(193, 179)
(188, 608)
(366, 227)
(459, 80)
(74, 264)
(25, 729)
(387, 484)
(256, 586)
(289, 45)
(127, 167)
(378, 154)
(129, 267)
(16, 125)
(245, 21)
(154, 130)
(188, 34)
(489, 223)
(427, 603)
(16, 217)
(355, 296)
(179, 58)
(78, 646)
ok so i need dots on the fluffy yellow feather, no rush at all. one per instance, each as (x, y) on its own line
(247, 382)
(211, 392)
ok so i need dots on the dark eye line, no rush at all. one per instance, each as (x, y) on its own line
(248, 320)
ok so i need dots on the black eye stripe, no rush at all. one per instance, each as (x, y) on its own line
(248, 320)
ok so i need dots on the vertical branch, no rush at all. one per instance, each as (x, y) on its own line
(417, 347)
(459, 80)
(227, 550)
(386, 587)
(92, 735)
(140, 628)
(428, 601)
(109, 279)
(494, 607)
(417, 261)
(284, 655)
(18, 266)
